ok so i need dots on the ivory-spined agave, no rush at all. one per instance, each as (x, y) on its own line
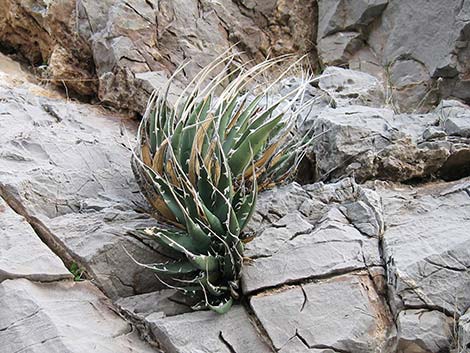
(201, 163)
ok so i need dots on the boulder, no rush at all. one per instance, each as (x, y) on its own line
(65, 317)
(349, 87)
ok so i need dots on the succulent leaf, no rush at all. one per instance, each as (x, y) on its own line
(201, 163)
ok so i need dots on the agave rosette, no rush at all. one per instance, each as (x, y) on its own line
(201, 163)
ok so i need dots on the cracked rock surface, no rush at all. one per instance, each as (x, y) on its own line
(334, 266)
(64, 317)
(65, 168)
(403, 43)
(22, 253)
(426, 246)
(360, 135)
(86, 46)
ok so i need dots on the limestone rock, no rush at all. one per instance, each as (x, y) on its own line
(369, 143)
(337, 48)
(348, 87)
(282, 252)
(22, 254)
(44, 32)
(426, 246)
(424, 331)
(66, 168)
(208, 332)
(464, 332)
(358, 317)
(404, 45)
(143, 305)
(341, 15)
(85, 47)
(65, 317)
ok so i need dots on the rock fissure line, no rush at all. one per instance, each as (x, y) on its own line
(142, 326)
(20, 320)
(226, 343)
(255, 321)
(386, 295)
(46, 236)
(307, 280)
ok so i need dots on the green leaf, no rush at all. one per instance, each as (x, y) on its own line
(174, 268)
(241, 157)
(222, 307)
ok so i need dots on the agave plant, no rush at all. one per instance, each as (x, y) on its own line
(201, 162)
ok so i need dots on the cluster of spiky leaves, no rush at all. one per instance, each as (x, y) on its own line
(201, 164)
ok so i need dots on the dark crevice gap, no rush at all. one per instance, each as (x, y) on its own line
(263, 334)
(46, 236)
(317, 346)
(386, 294)
(226, 343)
(142, 326)
(305, 298)
(310, 279)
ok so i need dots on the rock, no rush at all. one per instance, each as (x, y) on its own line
(86, 48)
(348, 87)
(337, 48)
(343, 313)
(44, 32)
(370, 143)
(403, 45)
(282, 253)
(341, 15)
(22, 254)
(295, 345)
(454, 118)
(62, 317)
(424, 331)
(65, 168)
(426, 246)
(143, 305)
(464, 332)
(209, 332)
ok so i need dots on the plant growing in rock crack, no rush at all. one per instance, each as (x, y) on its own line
(201, 163)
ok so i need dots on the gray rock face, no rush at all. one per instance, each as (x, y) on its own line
(426, 246)
(403, 43)
(22, 254)
(302, 312)
(464, 333)
(208, 332)
(44, 33)
(282, 253)
(424, 331)
(86, 46)
(370, 143)
(65, 168)
(322, 240)
(348, 87)
(341, 15)
(63, 317)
